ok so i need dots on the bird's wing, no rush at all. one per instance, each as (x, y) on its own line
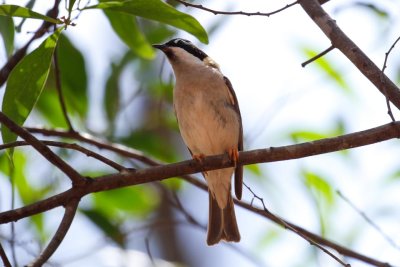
(239, 168)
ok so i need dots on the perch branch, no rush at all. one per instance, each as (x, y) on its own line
(157, 173)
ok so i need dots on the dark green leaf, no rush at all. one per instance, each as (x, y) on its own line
(112, 90)
(26, 82)
(111, 94)
(29, 5)
(158, 11)
(7, 33)
(126, 27)
(150, 142)
(110, 228)
(48, 106)
(19, 11)
(71, 5)
(73, 76)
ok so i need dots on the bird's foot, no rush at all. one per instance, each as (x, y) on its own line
(199, 158)
(233, 154)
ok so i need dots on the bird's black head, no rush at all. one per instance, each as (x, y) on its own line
(184, 44)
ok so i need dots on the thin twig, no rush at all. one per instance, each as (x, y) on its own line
(58, 237)
(317, 56)
(368, 220)
(75, 177)
(57, 75)
(76, 147)
(3, 257)
(287, 226)
(218, 12)
(389, 111)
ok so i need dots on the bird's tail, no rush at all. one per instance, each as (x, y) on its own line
(222, 222)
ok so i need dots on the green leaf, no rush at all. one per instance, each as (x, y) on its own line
(319, 186)
(126, 27)
(71, 5)
(326, 66)
(26, 82)
(111, 94)
(73, 76)
(110, 228)
(158, 11)
(307, 135)
(49, 110)
(7, 33)
(112, 91)
(139, 200)
(254, 168)
(19, 11)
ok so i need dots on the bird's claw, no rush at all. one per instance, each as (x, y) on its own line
(233, 154)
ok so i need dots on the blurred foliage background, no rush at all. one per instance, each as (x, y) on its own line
(125, 97)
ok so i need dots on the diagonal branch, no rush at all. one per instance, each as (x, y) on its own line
(4, 258)
(75, 177)
(58, 237)
(342, 42)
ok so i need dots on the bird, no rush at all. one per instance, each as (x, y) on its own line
(209, 120)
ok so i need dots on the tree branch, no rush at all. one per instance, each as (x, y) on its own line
(4, 258)
(76, 147)
(323, 53)
(90, 139)
(75, 177)
(128, 178)
(340, 41)
(161, 172)
(58, 237)
(218, 12)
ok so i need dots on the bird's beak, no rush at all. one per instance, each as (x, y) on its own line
(160, 46)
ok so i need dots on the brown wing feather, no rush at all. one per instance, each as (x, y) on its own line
(239, 168)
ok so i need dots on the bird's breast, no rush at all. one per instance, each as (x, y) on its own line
(207, 120)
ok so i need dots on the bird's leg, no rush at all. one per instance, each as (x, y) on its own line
(199, 158)
(233, 154)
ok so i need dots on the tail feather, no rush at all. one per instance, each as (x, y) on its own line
(222, 223)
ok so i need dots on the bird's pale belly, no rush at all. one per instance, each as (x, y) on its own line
(209, 128)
